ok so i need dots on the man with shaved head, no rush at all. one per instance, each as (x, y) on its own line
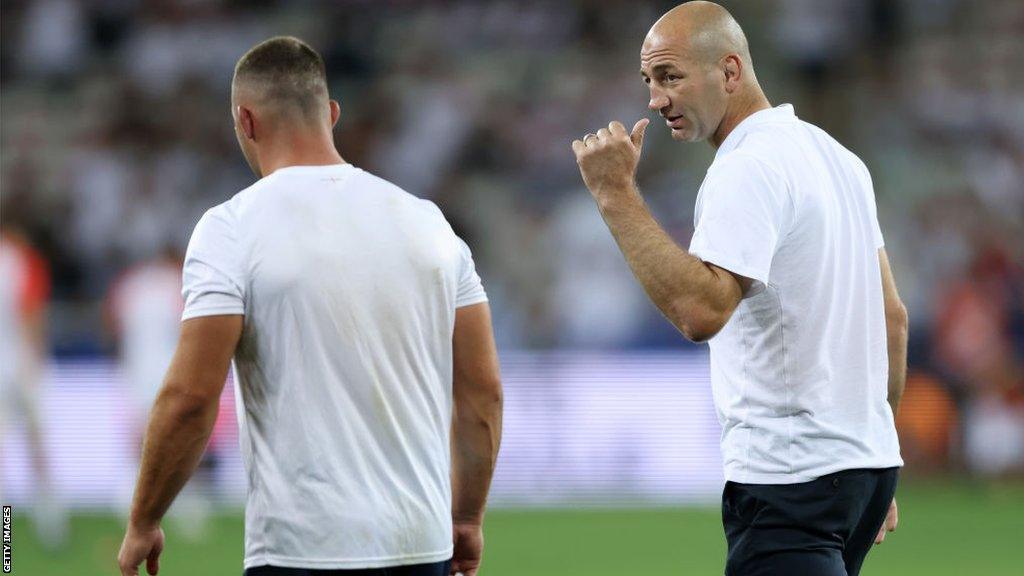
(366, 377)
(787, 279)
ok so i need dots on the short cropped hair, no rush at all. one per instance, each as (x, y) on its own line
(286, 72)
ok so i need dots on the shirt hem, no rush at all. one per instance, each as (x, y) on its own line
(213, 311)
(470, 301)
(346, 563)
(773, 478)
(723, 261)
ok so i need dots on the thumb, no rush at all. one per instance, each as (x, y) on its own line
(637, 135)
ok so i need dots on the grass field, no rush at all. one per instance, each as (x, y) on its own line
(946, 529)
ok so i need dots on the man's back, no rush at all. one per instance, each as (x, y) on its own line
(800, 370)
(344, 368)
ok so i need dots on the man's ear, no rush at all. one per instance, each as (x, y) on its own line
(247, 122)
(732, 67)
(335, 112)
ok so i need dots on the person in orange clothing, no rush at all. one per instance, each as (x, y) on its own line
(24, 293)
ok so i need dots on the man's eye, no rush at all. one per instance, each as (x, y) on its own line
(671, 77)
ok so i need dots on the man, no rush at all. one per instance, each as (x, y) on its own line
(788, 280)
(363, 353)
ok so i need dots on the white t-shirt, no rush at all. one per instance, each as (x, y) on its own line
(343, 376)
(800, 371)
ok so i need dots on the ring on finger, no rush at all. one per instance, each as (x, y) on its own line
(591, 135)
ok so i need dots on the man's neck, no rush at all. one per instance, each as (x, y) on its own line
(298, 152)
(743, 109)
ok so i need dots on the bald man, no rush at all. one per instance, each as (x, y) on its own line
(787, 280)
(366, 377)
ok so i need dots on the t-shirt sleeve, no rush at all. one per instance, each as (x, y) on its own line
(213, 282)
(470, 289)
(745, 210)
(869, 192)
(876, 232)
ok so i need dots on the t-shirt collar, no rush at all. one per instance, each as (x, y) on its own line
(781, 112)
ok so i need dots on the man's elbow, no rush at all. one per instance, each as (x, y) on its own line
(185, 402)
(483, 404)
(697, 323)
(897, 321)
(493, 399)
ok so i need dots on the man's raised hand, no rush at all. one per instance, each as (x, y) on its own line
(608, 159)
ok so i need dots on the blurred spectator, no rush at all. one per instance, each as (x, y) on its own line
(928, 424)
(144, 313)
(24, 290)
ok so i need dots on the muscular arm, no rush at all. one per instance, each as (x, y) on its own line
(476, 422)
(476, 431)
(184, 413)
(697, 297)
(896, 324)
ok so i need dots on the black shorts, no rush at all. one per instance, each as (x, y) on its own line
(824, 527)
(434, 569)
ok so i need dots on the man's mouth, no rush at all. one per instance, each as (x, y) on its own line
(674, 122)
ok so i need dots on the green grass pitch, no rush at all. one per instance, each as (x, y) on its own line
(945, 529)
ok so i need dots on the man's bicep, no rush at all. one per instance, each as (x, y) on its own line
(734, 286)
(474, 353)
(730, 288)
(205, 348)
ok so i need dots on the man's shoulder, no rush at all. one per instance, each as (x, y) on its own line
(785, 144)
(247, 199)
(398, 194)
(753, 153)
(770, 142)
(399, 202)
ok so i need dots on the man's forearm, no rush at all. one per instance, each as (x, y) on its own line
(179, 429)
(476, 435)
(897, 348)
(681, 285)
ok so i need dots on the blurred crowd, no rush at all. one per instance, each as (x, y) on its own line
(117, 136)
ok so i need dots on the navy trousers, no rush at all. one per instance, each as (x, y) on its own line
(824, 527)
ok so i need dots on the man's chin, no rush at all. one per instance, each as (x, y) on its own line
(683, 135)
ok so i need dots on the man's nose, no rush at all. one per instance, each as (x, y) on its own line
(658, 101)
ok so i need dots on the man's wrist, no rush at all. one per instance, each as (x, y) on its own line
(141, 523)
(468, 519)
(613, 197)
